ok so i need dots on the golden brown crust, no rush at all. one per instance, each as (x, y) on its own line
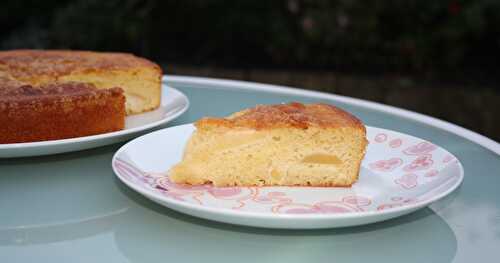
(59, 111)
(29, 64)
(52, 92)
(294, 114)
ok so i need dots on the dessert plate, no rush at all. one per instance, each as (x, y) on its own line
(400, 174)
(173, 104)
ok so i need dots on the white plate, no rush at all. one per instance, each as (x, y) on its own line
(400, 174)
(173, 104)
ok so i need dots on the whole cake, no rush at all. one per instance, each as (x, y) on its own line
(139, 78)
(287, 145)
(49, 95)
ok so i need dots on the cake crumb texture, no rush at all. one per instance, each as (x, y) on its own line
(275, 145)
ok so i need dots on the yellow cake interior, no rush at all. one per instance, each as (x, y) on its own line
(141, 86)
(281, 156)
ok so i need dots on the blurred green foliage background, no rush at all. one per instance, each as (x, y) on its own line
(349, 35)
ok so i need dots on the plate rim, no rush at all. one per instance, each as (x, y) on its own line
(268, 216)
(124, 132)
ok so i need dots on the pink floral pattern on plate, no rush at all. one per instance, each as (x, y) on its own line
(420, 163)
(391, 177)
(432, 173)
(381, 137)
(397, 203)
(420, 148)
(346, 205)
(407, 181)
(386, 165)
(395, 143)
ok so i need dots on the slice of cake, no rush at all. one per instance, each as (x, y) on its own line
(58, 111)
(287, 145)
(139, 78)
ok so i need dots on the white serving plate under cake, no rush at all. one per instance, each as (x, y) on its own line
(399, 174)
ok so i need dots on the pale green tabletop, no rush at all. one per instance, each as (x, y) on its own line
(71, 208)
